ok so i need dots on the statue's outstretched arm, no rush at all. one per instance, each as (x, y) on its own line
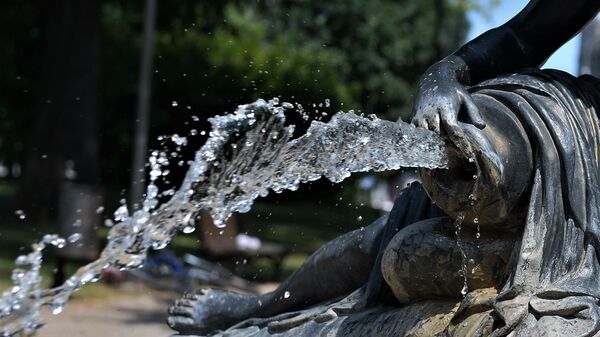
(527, 40)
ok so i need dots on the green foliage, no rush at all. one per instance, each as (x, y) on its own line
(386, 43)
(208, 59)
(237, 62)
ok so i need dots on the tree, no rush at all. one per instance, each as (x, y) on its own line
(386, 43)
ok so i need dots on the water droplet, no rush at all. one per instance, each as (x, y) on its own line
(189, 229)
(359, 218)
(472, 199)
(158, 245)
(463, 269)
(73, 238)
(57, 309)
(20, 214)
(178, 140)
(21, 260)
(286, 294)
(151, 191)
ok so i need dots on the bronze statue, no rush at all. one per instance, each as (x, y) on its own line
(517, 214)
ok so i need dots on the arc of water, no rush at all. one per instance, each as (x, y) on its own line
(248, 153)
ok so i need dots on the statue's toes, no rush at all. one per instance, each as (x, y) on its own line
(207, 310)
(181, 323)
(184, 302)
(181, 310)
(196, 295)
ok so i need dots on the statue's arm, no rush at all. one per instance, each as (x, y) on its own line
(527, 40)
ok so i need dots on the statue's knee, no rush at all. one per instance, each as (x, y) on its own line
(412, 260)
(425, 261)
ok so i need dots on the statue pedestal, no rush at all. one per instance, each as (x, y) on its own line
(422, 319)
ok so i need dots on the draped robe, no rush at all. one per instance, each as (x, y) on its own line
(553, 285)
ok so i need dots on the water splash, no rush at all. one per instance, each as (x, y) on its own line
(21, 297)
(261, 155)
(248, 153)
(463, 255)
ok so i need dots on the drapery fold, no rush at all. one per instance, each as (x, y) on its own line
(553, 286)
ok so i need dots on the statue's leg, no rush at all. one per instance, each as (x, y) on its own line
(425, 260)
(336, 269)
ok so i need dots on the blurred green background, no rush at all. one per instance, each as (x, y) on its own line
(69, 78)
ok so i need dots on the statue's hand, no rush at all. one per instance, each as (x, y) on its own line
(442, 97)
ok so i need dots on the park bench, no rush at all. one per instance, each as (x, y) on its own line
(231, 243)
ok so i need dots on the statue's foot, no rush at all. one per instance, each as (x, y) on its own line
(208, 310)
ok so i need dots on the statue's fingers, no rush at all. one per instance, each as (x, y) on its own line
(417, 112)
(458, 137)
(433, 122)
(417, 120)
(449, 122)
(473, 111)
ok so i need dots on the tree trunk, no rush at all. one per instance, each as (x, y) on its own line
(64, 145)
(140, 143)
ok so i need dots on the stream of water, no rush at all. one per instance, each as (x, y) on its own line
(248, 154)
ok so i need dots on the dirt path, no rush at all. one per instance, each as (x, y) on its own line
(119, 316)
(127, 316)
